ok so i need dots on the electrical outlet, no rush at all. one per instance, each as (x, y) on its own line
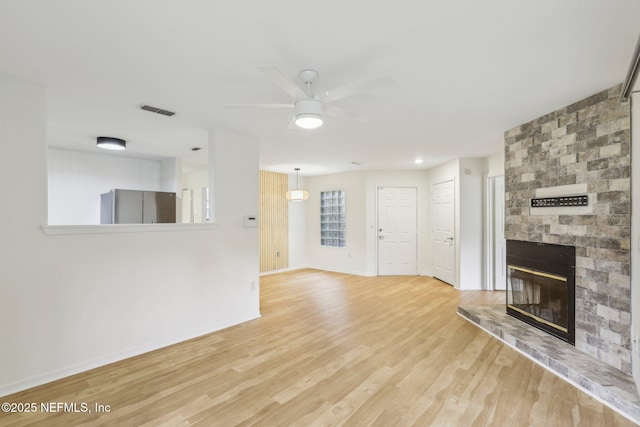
(253, 285)
(278, 253)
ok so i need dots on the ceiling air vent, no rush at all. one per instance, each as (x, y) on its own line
(157, 110)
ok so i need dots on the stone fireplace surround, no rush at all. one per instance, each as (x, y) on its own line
(585, 145)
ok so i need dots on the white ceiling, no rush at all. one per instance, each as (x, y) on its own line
(464, 70)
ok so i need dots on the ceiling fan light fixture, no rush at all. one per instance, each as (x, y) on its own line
(309, 121)
(110, 143)
(309, 113)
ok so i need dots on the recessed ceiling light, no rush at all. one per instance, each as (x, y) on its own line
(418, 161)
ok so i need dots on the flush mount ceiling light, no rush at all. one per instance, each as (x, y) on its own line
(309, 113)
(110, 143)
(418, 161)
(297, 195)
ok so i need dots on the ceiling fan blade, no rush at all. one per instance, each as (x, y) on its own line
(343, 113)
(260, 106)
(283, 82)
(292, 124)
(354, 88)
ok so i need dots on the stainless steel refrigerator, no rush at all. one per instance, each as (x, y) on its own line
(137, 207)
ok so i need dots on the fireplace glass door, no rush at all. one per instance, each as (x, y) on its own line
(538, 295)
(541, 286)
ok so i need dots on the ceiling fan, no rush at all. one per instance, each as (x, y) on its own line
(309, 108)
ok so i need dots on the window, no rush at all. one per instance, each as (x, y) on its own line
(332, 219)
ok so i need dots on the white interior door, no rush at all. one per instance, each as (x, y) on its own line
(397, 231)
(443, 204)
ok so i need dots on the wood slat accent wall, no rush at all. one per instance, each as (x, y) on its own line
(274, 221)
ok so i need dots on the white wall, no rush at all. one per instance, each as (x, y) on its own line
(170, 175)
(77, 178)
(495, 164)
(471, 223)
(352, 258)
(74, 302)
(297, 227)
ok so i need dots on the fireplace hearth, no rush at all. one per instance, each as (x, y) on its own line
(541, 286)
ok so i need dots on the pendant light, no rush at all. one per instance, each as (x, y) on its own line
(297, 195)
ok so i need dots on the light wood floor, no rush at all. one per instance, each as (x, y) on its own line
(331, 349)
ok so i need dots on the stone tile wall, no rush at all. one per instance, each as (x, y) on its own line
(584, 143)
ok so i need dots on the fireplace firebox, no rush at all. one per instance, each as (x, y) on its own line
(541, 286)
